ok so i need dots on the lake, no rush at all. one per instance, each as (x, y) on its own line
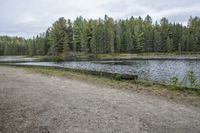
(157, 70)
(16, 59)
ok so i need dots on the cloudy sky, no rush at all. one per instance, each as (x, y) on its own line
(31, 17)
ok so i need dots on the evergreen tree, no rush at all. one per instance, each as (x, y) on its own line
(148, 34)
(68, 45)
(58, 36)
(132, 35)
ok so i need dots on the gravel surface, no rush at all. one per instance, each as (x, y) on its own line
(37, 103)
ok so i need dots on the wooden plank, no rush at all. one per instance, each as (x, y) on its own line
(114, 75)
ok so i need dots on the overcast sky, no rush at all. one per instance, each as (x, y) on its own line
(31, 17)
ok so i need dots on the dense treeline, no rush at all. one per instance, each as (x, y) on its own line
(133, 35)
(13, 46)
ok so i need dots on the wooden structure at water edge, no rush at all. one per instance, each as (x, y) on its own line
(114, 75)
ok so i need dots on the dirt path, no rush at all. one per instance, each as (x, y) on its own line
(31, 102)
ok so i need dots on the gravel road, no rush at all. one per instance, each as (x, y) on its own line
(37, 103)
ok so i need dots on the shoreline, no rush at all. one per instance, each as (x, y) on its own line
(103, 57)
(114, 76)
(185, 95)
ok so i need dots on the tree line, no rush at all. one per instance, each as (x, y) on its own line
(13, 46)
(99, 36)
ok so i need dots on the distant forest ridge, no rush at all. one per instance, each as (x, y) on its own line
(99, 36)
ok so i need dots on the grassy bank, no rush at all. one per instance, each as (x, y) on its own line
(117, 79)
(179, 94)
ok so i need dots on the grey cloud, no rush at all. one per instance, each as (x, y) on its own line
(31, 17)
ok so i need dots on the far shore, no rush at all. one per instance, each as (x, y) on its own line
(142, 56)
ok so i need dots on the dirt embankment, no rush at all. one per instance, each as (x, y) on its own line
(31, 102)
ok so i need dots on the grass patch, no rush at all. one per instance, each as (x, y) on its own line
(110, 80)
(188, 96)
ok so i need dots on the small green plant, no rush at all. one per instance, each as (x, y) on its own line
(174, 81)
(197, 86)
(192, 78)
(118, 77)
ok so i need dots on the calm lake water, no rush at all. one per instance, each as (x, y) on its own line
(153, 70)
(15, 59)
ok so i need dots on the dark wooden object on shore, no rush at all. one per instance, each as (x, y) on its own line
(114, 75)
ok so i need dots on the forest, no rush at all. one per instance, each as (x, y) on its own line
(106, 36)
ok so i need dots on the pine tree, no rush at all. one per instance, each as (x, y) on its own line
(148, 34)
(58, 35)
(164, 33)
(138, 40)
